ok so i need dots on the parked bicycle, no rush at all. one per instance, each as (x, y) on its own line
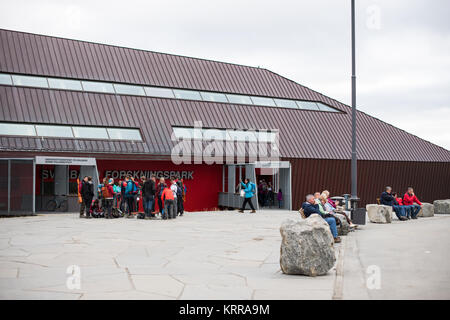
(58, 202)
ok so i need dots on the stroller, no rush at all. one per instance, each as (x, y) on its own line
(95, 210)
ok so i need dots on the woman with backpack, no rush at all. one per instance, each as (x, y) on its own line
(159, 191)
(108, 197)
(249, 191)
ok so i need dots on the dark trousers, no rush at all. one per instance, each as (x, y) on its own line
(85, 206)
(180, 206)
(148, 205)
(107, 207)
(249, 201)
(169, 209)
(130, 204)
(160, 204)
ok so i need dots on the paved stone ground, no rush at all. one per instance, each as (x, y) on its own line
(209, 255)
(213, 255)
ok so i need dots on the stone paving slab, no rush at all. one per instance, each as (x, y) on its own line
(205, 255)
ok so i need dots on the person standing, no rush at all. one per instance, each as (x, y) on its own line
(169, 205)
(249, 189)
(180, 204)
(108, 197)
(159, 191)
(280, 198)
(87, 194)
(174, 188)
(410, 199)
(148, 196)
(130, 191)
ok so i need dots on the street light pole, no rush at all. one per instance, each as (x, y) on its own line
(354, 196)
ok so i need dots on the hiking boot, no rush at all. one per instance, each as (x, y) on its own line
(241, 211)
(414, 218)
(403, 218)
(337, 240)
(253, 211)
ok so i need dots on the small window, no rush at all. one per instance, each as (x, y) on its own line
(215, 97)
(323, 107)
(240, 135)
(159, 92)
(266, 136)
(187, 94)
(261, 101)
(188, 133)
(129, 89)
(308, 105)
(284, 103)
(54, 131)
(94, 86)
(5, 79)
(17, 129)
(90, 133)
(124, 134)
(236, 98)
(30, 81)
(214, 134)
(65, 84)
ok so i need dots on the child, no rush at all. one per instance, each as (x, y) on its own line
(280, 198)
(95, 209)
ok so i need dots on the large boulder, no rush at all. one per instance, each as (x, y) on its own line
(426, 211)
(306, 246)
(379, 213)
(441, 206)
(344, 227)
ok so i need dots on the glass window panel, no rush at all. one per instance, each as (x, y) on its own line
(54, 131)
(5, 78)
(323, 107)
(98, 86)
(188, 133)
(261, 101)
(187, 94)
(159, 92)
(216, 97)
(236, 98)
(307, 105)
(129, 89)
(124, 134)
(17, 129)
(240, 135)
(64, 84)
(266, 136)
(30, 81)
(284, 103)
(214, 134)
(90, 133)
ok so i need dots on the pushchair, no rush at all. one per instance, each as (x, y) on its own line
(95, 210)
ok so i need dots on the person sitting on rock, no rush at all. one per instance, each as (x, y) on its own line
(328, 207)
(410, 199)
(387, 199)
(310, 207)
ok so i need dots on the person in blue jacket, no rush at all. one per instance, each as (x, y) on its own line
(250, 190)
(310, 207)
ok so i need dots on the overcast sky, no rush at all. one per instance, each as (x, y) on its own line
(403, 46)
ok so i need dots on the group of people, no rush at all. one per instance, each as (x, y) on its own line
(123, 198)
(406, 207)
(323, 205)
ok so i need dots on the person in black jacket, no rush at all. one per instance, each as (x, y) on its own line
(388, 199)
(148, 196)
(87, 194)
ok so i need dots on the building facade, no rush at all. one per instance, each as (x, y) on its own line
(73, 108)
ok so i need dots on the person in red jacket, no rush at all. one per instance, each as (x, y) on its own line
(410, 200)
(168, 199)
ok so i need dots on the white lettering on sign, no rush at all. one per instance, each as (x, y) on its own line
(120, 174)
(50, 174)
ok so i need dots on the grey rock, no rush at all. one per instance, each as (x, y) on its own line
(379, 213)
(344, 228)
(426, 211)
(442, 206)
(306, 246)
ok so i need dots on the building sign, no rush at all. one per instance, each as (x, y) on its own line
(66, 161)
(120, 174)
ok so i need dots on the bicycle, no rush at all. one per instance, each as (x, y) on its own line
(58, 202)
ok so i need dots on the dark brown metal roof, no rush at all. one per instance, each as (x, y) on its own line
(303, 134)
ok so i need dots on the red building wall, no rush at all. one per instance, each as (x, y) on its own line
(202, 191)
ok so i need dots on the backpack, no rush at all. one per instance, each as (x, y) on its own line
(105, 192)
(253, 187)
(130, 188)
(99, 191)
